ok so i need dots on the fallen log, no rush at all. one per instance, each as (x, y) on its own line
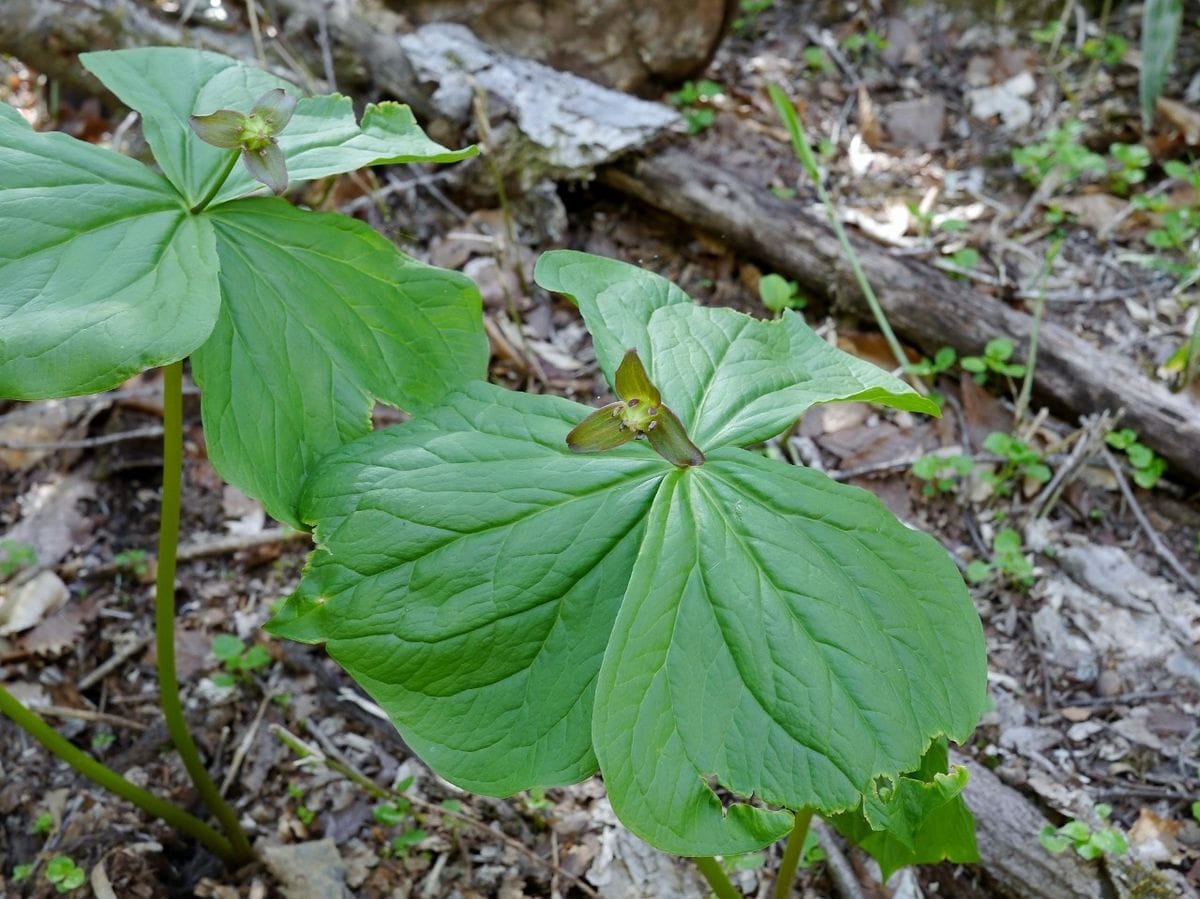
(1007, 827)
(1072, 377)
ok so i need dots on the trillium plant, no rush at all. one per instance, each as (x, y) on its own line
(534, 590)
(295, 321)
(533, 594)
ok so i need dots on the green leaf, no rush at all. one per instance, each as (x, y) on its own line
(227, 647)
(1161, 23)
(615, 298)
(72, 321)
(9, 114)
(733, 379)
(729, 377)
(428, 511)
(168, 84)
(756, 622)
(287, 378)
(923, 820)
(620, 611)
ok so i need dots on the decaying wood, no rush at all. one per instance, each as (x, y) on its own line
(1007, 828)
(1073, 377)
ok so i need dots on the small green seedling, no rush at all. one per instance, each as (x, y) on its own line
(1048, 33)
(22, 872)
(748, 13)
(694, 101)
(1196, 804)
(133, 561)
(43, 824)
(864, 43)
(1148, 467)
(1087, 843)
(777, 293)
(1007, 561)
(942, 473)
(239, 662)
(1109, 49)
(65, 874)
(1019, 460)
(1062, 152)
(745, 861)
(306, 815)
(1132, 161)
(817, 61)
(995, 359)
(964, 259)
(942, 360)
(14, 556)
(103, 740)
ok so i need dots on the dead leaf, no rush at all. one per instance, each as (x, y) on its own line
(868, 121)
(1183, 117)
(57, 633)
(51, 523)
(1153, 838)
(1094, 211)
(24, 605)
(244, 516)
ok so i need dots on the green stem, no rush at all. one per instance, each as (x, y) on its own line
(111, 780)
(791, 854)
(721, 885)
(1039, 310)
(218, 184)
(164, 615)
(803, 150)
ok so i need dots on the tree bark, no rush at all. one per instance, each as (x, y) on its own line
(1072, 376)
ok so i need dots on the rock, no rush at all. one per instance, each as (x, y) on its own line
(915, 123)
(628, 46)
(312, 870)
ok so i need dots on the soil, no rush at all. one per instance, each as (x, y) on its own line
(1094, 679)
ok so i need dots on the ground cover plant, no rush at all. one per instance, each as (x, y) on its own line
(641, 607)
(295, 321)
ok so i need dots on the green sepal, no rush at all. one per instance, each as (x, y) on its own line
(632, 382)
(667, 436)
(601, 431)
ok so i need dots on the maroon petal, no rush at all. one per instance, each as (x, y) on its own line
(275, 108)
(267, 165)
(222, 128)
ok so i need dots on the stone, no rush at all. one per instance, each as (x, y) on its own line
(627, 46)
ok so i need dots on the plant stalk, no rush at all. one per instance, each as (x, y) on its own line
(791, 854)
(218, 184)
(803, 151)
(164, 615)
(721, 885)
(1039, 310)
(106, 777)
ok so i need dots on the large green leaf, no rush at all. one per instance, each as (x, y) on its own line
(615, 298)
(737, 380)
(321, 316)
(469, 572)
(770, 640)
(768, 600)
(732, 379)
(168, 84)
(104, 274)
(10, 114)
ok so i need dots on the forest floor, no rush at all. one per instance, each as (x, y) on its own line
(1083, 562)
